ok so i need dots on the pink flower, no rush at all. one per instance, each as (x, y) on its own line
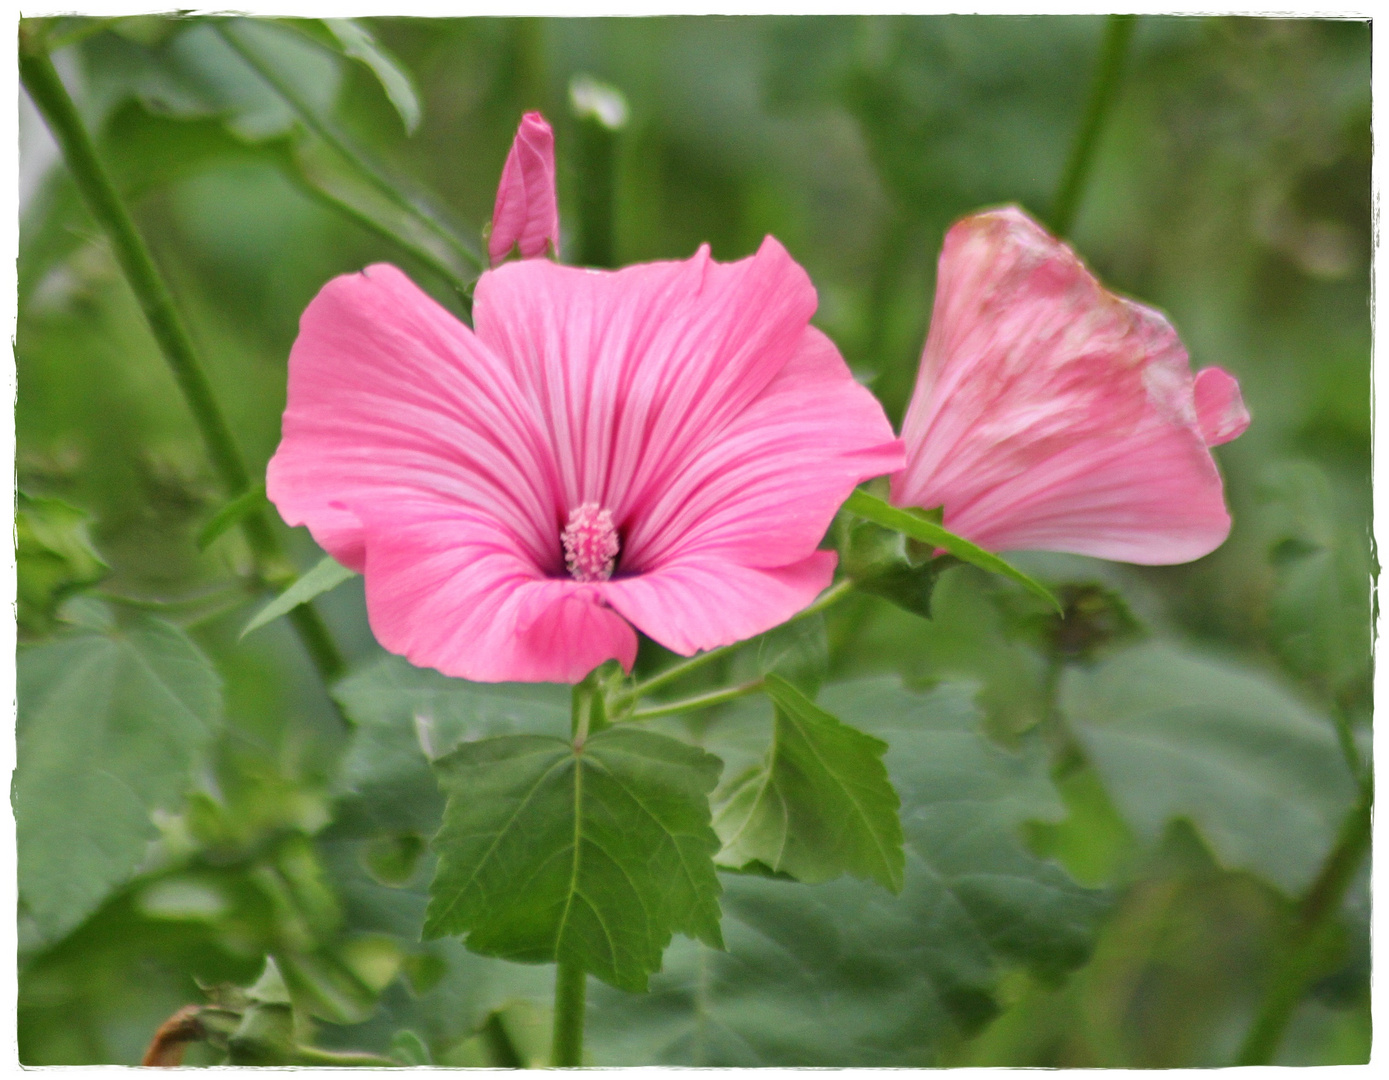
(1052, 415)
(527, 212)
(661, 446)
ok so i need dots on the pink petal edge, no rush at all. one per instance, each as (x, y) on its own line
(1050, 414)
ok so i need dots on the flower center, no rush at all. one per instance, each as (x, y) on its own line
(590, 543)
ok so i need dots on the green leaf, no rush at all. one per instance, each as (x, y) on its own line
(968, 638)
(233, 513)
(593, 856)
(798, 651)
(55, 558)
(1319, 613)
(1174, 735)
(821, 804)
(845, 974)
(194, 73)
(356, 41)
(919, 526)
(404, 716)
(327, 575)
(110, 729)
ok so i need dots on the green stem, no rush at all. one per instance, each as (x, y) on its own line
(830, 596)
(567, 1051)
(231, 34)
(699, 701)
(1118, 32)
(46, 90)
(1312, 936)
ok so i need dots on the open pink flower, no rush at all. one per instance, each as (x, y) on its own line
(527, 212)
(1052, 415)
(660, 446)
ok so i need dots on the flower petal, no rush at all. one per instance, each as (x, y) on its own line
(702, 603)
(1051, 414)
(1219, 406)
(446, 589)
(766, 491)
(527, 210)
(634, 371)
(390, 396)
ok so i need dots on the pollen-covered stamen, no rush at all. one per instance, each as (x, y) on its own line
(590, 543)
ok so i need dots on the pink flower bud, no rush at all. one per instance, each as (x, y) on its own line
(527, 212)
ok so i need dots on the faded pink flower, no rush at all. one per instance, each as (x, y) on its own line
(527, 211)
(1050, 414)
(661, 446)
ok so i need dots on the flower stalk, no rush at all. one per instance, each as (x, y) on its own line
(567, 1050)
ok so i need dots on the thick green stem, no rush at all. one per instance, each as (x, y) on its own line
(99, 195)
(1118, 33)
(1312, 936)
(567, 1050)
(232, 35)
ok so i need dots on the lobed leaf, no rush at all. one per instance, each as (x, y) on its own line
(819, 806)
(593, 855)
(111, 727)
(1174, 735)
(845, 974)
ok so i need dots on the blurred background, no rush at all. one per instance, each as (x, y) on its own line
(1230, 187)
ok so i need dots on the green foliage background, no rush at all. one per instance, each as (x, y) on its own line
(1140, 812)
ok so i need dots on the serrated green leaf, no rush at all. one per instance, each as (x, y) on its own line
(593, 856)
(358, 42)
(1174, 735)
(821, 804)
(327, 575)
(920, 526)
(845, 974)
(111, 727)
